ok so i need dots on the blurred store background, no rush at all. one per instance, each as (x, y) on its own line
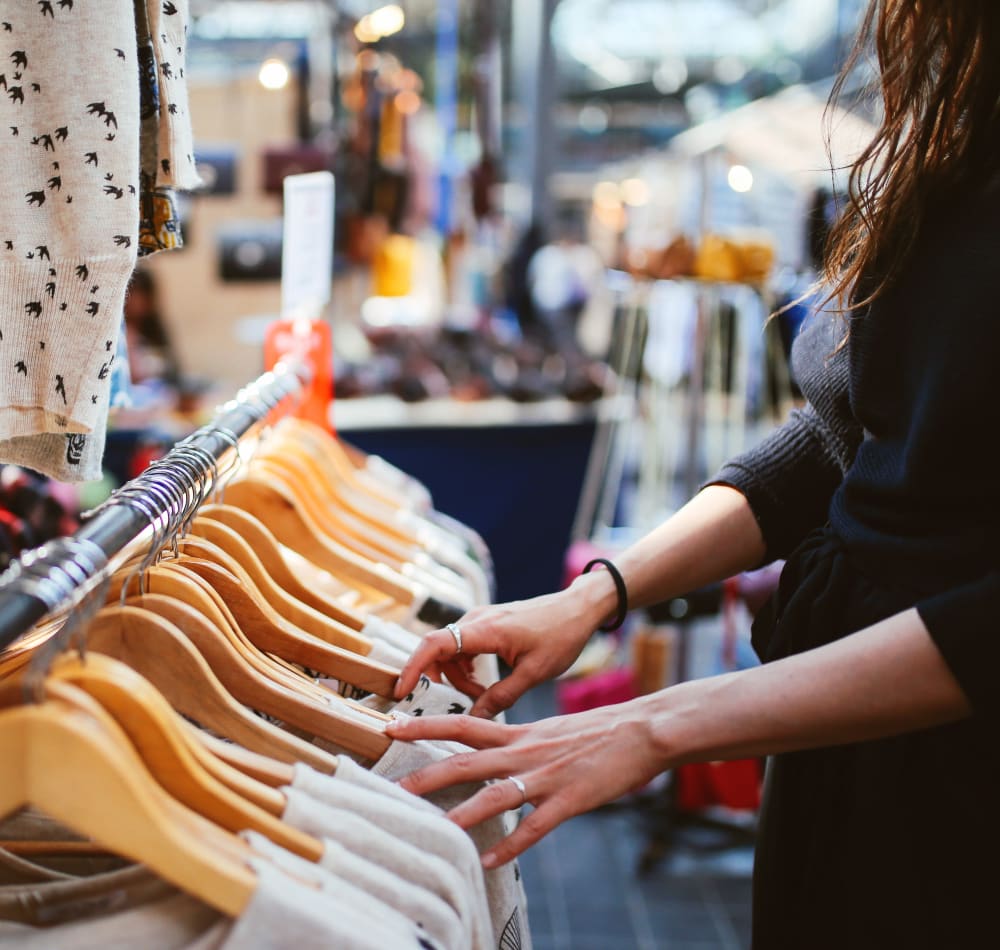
(561, 227)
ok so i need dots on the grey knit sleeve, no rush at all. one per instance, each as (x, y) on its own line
(790, 478)
(788, 481)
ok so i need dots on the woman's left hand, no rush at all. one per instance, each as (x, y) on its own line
(568, 765)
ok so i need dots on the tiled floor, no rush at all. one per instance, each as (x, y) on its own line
(585, 892)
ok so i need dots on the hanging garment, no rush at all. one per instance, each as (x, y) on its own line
(131, 908)
(504, 888)
(69, 108)
(168, 26)
(370, 889)
(399, 812)
(411, 856)
(159, 220)
(424, 907)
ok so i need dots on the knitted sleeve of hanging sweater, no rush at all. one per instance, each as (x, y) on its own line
(69, 121)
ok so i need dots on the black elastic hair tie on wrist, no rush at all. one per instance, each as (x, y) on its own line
(619, 587)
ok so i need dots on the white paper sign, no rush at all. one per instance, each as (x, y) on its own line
(307, 249)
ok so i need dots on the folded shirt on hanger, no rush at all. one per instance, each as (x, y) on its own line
(430, 912)
(295, 903)
(407, 856)
(367, 792)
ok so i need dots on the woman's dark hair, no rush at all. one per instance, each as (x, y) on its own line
(939, 66)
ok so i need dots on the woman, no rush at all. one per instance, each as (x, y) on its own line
(876, 699)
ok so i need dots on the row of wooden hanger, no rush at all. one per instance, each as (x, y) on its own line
(275, 577)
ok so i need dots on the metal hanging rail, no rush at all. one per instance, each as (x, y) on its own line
(56, 577)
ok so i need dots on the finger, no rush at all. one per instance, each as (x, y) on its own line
(502, 695)
(437, 647)
(494, 799)
(460, 675)
(533, 827)
(477, 733)
(460, 770)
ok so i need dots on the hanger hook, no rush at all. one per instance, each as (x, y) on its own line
(67, 571)
(231, 440)
(204, 468)
(129, 497)
(174, 480)
(170, 494)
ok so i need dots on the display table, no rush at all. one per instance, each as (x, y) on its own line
(512, 471)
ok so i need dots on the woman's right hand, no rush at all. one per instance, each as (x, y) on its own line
(538, 638)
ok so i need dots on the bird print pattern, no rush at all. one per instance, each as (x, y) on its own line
(168, 26)
(69, 213)
(159, 219)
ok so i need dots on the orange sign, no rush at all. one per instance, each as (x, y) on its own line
(309, 342)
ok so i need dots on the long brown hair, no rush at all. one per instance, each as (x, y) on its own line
(939, 82)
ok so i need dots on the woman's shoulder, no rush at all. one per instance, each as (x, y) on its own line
(971, 206)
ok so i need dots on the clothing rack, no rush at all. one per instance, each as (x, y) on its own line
(58, 576)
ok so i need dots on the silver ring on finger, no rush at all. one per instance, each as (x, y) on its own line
(456, 631)
(519, 785)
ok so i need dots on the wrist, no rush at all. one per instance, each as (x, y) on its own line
(596, 597)
(621, 611)
(686, 723)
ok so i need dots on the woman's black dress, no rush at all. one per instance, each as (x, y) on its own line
(882, 494)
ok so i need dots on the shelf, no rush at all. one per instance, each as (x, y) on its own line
(388, 412)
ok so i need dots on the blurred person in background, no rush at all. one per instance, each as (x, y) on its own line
(151, 355)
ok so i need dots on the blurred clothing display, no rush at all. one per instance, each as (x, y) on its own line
(33, 510)
(469, 366)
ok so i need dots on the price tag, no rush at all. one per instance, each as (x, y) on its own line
(307, 245)
(309, 342)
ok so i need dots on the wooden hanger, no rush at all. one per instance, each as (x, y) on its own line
(221, 544)
(271, 633)
(326, 511)
(257, 549)
(337, 487)
(255, 784)
(191, 583)
(329, 509)
(150, 723)
(157, 650)
(263, 768)
(340, 458)
(259, 683)
(241, 778)
(179, 581)
(280, 509)
(335, 526)
(81, 770)
(332, 468)
(159, 641)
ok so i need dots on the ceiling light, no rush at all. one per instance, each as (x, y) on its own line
(387, 20)
(740, 179)
(365, 32)
(273, 74)
(635, 192)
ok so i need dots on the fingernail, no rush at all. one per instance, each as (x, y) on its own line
(489, 860)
